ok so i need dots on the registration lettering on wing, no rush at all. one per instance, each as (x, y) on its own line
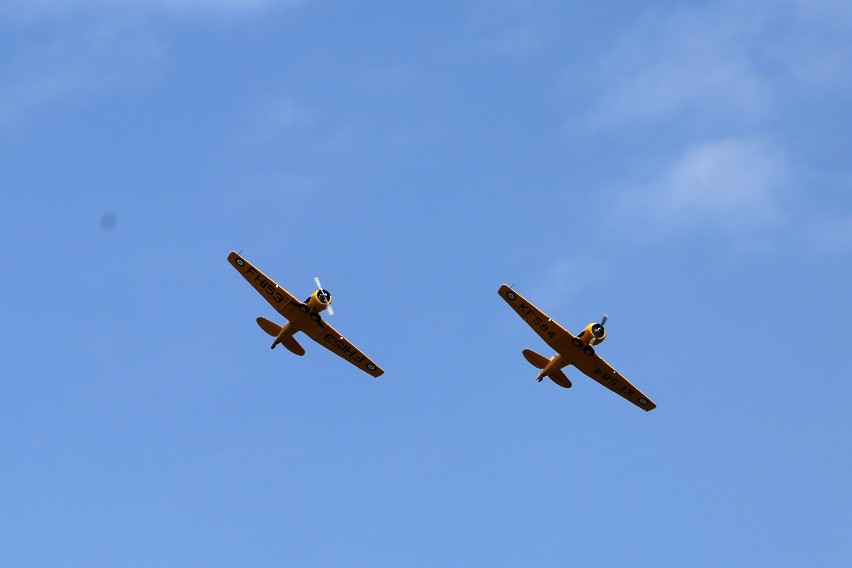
(261, 282)
(611, 381)
(537, 320)
(344, 348)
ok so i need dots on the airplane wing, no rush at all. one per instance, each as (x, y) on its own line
(321, 332)
(593, 366)
(279, 298)
(545, 327)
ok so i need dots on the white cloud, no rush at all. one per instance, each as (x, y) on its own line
(734, 185)
(694, 62)
(723, 61)
(726, 92)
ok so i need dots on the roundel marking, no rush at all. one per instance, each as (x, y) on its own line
(511, 295)
(643, 400)
(371, 366)
(240, 261)
(588, 351)
(303, 307)
(577, 342)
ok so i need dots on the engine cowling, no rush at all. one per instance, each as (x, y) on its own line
(319, 300)
(592, 334)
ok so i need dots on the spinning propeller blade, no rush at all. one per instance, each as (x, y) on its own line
(327, 304)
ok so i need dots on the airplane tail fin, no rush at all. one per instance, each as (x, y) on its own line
(540, 362)
(274, 330)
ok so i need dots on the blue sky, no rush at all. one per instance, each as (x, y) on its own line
(682, 167)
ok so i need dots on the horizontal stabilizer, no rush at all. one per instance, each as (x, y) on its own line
(290, 343)
(540, 362)
(536, 360)
(272, 329)
(560, 379)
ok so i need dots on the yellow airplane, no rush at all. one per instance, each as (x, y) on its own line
(570, 350)
(301, 316)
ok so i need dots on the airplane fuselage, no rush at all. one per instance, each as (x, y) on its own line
(309, 310)
(286, 331)
(556, 363)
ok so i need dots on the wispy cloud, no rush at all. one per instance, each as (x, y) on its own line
(694, 62)
(723, 61)
(281, 116)
(830, 233)
(519, 41)
(71, 63)
(28, 10)
(734, 63)
(565, 279)
(736, 185)
(721, 90)
(67, 48)
(812, 43)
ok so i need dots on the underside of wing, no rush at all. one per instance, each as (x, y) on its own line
(545, 327)
(331, 339)
(593, 366)
(278, 297)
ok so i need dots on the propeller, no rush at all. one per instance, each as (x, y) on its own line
(598, 328)
(324, 296)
